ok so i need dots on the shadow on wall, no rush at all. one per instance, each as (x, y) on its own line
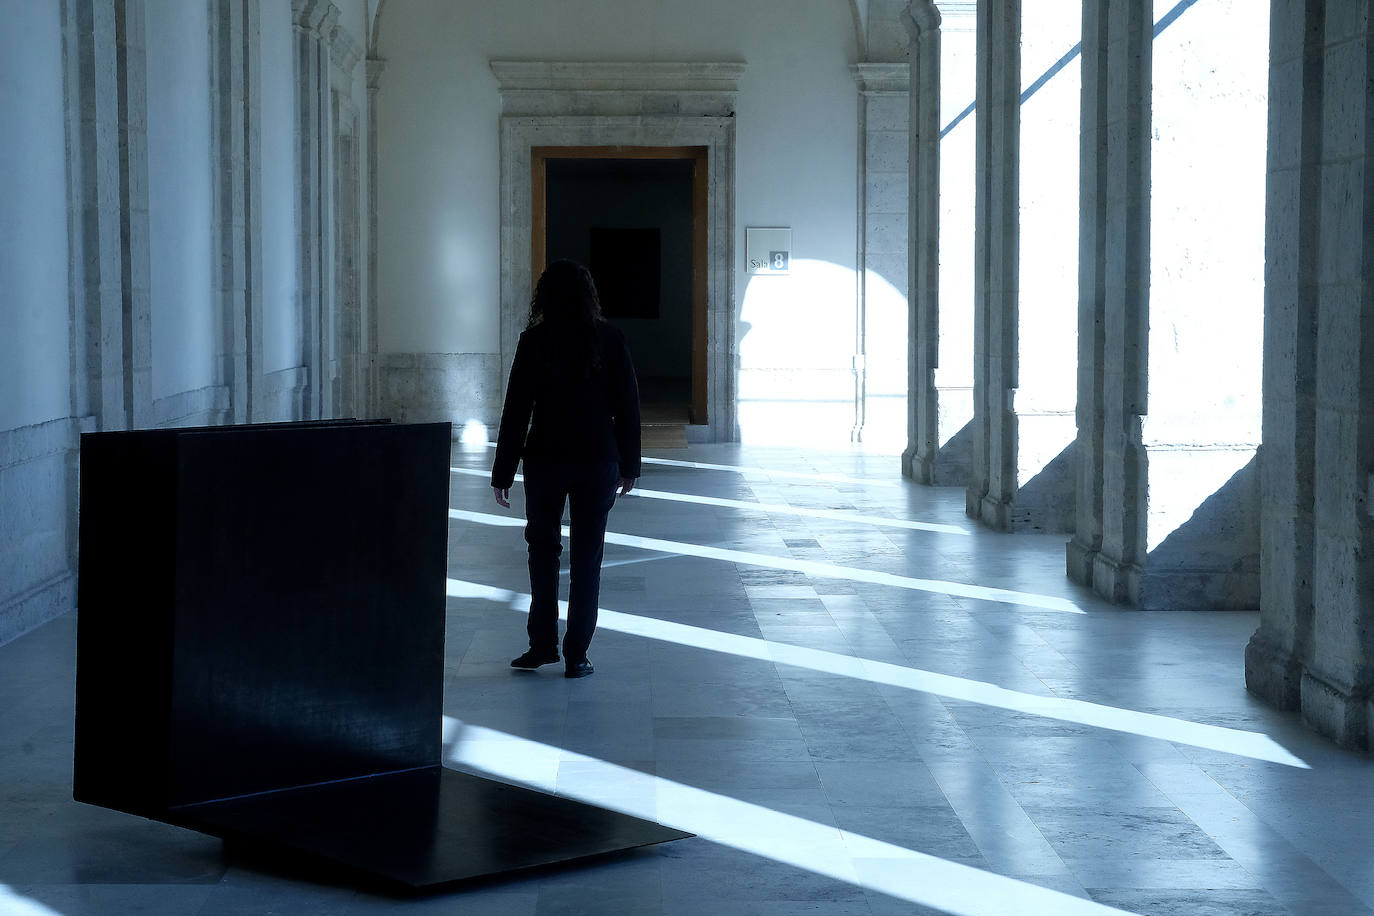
(1041, 505)
(1213, 559)
(955, 454)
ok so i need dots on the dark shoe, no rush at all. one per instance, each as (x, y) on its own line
(579, 669)
(533, 659)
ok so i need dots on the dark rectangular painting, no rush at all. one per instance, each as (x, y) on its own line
(625, 264)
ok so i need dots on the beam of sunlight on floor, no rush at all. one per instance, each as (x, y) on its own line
(809, 567)
(771, 472)
(838, 854)
(13, 904)
(832, 514)
(1149, 725)
(563, 571)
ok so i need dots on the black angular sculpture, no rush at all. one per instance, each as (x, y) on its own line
(260, 653)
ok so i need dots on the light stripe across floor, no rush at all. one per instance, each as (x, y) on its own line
(1080, 712)
(838, 515)
(808, 567)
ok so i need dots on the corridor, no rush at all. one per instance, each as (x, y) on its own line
(860, 701)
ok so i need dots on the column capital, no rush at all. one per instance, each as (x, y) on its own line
(921, 16)
(882, 77)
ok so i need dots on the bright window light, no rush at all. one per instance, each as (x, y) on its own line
(1149, 725)
(809, 567)
(824, 850)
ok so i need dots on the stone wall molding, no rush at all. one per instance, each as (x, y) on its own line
(558, 103)
(617, 76)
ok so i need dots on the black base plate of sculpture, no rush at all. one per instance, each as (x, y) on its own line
(421, 829)
(260, 654)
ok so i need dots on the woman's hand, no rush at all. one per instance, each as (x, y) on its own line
(502, 495)
(625, 484)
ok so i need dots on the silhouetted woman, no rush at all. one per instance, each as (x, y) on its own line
(572, 385)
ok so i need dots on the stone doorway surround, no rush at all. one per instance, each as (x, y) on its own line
(570, 103)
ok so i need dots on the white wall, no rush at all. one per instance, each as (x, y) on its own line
(180, 212)
(34, 348)
(281, 344)
(439, 111)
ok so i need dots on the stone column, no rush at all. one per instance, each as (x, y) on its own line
(1083, 548)
(1314, 649)
(1108, 549)
(882, 261)
(992, 481)
(1338, 686)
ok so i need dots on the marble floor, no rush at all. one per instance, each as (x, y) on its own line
(858, 701)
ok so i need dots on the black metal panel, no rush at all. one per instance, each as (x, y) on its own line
(425, 828)
(310, 625)
(260, 653)
(200, 561)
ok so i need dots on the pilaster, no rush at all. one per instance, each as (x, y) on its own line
(375, 67)
(882, 262)
(136, 319)
(923, 243)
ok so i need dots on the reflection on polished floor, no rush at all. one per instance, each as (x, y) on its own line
(992, 740)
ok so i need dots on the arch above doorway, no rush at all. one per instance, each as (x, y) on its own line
(574, 104)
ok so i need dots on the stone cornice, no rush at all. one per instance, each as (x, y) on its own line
(882, 77)
(647, 76)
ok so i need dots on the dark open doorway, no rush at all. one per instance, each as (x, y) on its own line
(637, 217)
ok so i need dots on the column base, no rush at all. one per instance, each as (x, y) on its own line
(993, 512)
(1338, 711)
(1199, 589)
(1116, 581)
(1272, 674)
(1078, 562)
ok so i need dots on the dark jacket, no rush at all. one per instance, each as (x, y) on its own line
(578, 417)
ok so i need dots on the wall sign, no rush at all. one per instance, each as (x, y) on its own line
(767, 251)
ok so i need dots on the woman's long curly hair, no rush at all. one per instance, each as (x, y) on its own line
(566, 305)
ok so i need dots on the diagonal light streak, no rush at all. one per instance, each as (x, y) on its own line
(838, 515)
(818, 848)
(663, 556)
(809, 567)
(770, 472)
(1254, 745)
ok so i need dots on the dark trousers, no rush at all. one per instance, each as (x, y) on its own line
(589, 490)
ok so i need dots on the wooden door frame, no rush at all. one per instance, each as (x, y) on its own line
(539, 157)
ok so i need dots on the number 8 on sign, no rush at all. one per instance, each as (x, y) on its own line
(777, 260)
